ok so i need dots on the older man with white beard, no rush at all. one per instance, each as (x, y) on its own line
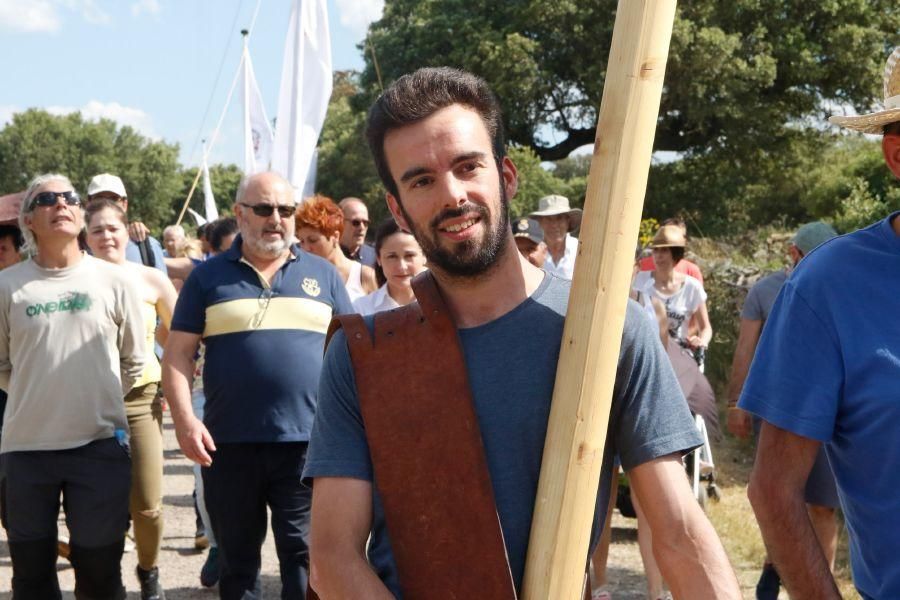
(262, 309)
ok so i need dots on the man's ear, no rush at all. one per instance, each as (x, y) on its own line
(890, 145)
(510, 175)
(394, 207)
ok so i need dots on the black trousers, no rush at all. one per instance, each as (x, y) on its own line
(243, 480)
(94, 481)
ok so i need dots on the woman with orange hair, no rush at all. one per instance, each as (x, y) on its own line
(319, 226)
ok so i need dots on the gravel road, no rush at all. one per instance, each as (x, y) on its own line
(180, 563)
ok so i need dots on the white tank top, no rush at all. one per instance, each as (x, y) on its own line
(354, 282)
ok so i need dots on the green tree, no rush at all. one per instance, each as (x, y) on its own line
(37, 142)
(739, 73)
(224, 180)
(345, 166)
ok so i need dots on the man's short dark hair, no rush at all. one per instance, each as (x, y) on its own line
(218, 230)
(12, 232)
(417, 96)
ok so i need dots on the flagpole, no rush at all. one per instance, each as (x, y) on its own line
(248, 158)
(212, 141)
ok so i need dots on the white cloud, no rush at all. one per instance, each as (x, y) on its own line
(89, 11)
(357, 14)
(29, 16)
(123, 115)
(43, 16)
(151, 7)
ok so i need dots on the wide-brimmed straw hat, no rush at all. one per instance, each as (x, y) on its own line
(553, 205)
(669, 236)
(875, 122)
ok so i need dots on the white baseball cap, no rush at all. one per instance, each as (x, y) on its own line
(106, 182)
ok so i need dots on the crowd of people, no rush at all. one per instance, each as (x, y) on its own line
(275, 399)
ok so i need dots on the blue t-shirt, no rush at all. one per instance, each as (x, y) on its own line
(133, 254)
(511, 364)
(264, 344)
(828, 368)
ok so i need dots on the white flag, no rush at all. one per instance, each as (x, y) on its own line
(258, 136)
(305, 90)
(197, 218)
(209, 203)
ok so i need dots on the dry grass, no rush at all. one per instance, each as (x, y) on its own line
(734, 521)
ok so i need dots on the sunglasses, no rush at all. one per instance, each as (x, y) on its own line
(266, 210)
(359, 222)
(49, 199)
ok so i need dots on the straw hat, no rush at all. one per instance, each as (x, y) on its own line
(669, 236)
(553, 205)
(875, 122)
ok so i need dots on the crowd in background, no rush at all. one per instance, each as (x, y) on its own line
(104, 326)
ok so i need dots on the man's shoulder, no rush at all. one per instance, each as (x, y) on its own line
(311, 264)
(772, 280)
(836, 262)
(215, 266)
(553, 293)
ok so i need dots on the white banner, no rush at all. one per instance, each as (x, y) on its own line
(305, 90)
(258, 136)
(197, 218)
(209, 203)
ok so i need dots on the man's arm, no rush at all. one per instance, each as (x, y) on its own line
(131, 336)
(689, 553)
(341, 521)
(5, 362)
(739, 422)
(138, 231)
(178, 268)
(177, 375)
(783, 463)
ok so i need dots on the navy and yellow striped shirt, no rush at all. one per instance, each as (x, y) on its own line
(264, 344)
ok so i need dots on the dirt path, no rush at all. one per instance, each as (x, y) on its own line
(180, 563)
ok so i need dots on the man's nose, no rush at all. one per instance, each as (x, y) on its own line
(454, 191)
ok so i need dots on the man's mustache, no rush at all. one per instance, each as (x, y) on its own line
(459, 211)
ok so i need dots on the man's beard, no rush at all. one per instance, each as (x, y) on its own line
(272, 249)
(469, 258)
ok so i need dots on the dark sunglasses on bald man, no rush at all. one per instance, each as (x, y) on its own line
(266, 210)
(49, 199)
(360, 222)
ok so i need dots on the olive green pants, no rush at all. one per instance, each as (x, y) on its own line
(144, 413)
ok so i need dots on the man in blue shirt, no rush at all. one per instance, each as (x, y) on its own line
(827, 371)
(438, 142)
(261, 309)
(142, 248)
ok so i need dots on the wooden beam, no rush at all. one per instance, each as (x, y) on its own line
(582, 395)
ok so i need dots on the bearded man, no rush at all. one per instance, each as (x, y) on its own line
(261, 308)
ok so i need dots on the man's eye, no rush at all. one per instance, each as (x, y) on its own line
(421, 182)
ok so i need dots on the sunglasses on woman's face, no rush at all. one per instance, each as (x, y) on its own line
(266, 210)
(49, 199)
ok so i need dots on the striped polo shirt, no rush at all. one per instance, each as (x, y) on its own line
(264, 344)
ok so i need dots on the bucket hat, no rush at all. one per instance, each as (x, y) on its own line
(553, 205)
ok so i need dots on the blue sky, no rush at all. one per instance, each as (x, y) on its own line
(152, 64)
